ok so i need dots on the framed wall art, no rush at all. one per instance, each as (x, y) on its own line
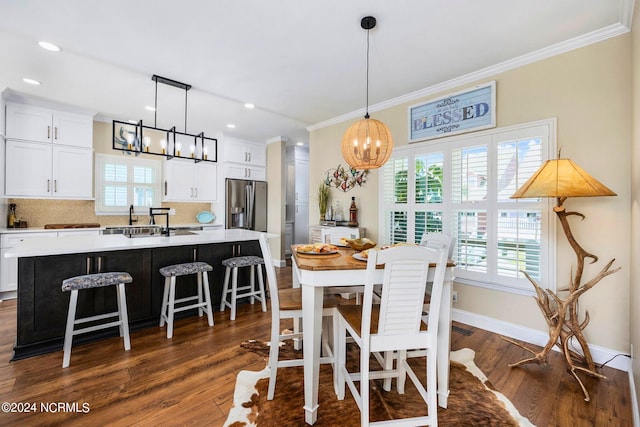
(466, 111)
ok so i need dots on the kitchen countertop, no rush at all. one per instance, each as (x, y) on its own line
(116, 242)
(4, 230)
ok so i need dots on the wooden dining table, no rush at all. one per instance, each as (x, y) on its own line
(314, 273)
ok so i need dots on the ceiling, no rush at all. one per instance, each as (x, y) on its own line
(300, 62)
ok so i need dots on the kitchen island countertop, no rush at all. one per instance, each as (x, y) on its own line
(84, 244)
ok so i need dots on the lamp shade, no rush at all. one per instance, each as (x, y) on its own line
(367, 144)
(561, 178)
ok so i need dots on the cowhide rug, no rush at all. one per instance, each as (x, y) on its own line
(472, 399)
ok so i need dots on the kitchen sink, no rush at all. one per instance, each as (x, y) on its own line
(146, 231)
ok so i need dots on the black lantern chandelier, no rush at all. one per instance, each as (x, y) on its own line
(130, 137)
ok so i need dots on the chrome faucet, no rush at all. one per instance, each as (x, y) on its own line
(131, 220)
(160, 211)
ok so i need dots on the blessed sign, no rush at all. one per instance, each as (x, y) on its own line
(464, 111)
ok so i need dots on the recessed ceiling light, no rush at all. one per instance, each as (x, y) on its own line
(150, 108)
(249, 105)
(231, 126)
(31, 81)
(300, 143)
(49, 46)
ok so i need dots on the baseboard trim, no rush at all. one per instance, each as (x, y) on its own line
(634, 401)
(280, 263)
(536, 337)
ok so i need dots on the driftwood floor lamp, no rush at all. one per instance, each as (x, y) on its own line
(561, 178)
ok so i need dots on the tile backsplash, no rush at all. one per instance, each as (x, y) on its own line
(38, 212)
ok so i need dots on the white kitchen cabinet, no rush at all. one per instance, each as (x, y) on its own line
(48, 170)
(31, 123)
(9, 266)
(301, 181)
(322, 233)
(243, 159)
(239, 171)
(245, 152)
(288, 238)
(187, 181)
(301, 223)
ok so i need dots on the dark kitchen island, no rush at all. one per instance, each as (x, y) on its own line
(44, 263)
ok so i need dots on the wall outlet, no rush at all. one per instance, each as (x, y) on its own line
(172, 211)
(454, 297)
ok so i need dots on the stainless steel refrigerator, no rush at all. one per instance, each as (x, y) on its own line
(246, 204)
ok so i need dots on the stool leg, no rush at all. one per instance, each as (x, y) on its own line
(165, 300)
(68, 335)
(172, 303)
(225, 289)
(252, 283)
(234, 292)
(123, 316)
(207, 297)
(263, 299)
(199, 279)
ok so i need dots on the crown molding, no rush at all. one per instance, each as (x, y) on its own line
(277, 139)
(488, 72)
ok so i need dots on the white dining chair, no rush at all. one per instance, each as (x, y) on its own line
(287, 304)
(438, 240)
(394, 325)
(333, 236)
(433, 240)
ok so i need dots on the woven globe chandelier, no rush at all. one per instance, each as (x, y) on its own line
(368, 143)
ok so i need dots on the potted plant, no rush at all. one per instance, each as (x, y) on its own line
(323, 199)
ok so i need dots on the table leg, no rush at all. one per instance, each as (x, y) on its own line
(312, 326)
(444, 343)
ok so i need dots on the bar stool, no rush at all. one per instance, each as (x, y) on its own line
(169, 300)
(232, 265)
(89, 281)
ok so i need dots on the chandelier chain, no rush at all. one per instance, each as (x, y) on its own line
(366, 112)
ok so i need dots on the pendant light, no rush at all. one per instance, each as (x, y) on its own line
(368, 143)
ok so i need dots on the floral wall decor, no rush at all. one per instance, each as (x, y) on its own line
(345, 179)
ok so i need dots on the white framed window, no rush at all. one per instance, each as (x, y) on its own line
(125, 181)
(462, 186)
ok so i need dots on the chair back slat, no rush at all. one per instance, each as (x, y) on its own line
(405, 276)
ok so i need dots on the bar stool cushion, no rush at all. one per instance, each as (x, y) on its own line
(95, 280)
(243, 261)
(185, 269)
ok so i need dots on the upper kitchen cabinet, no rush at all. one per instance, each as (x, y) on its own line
(245, 152)
(49, 153)
(243, 159)
(31, 123)
(46, 170)
(187, 181)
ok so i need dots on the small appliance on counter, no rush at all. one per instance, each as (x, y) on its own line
(12, 218)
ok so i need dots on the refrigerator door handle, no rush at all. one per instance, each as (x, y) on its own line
(250, 197)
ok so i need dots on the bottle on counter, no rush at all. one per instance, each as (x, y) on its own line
(11, 220)
(353, 213)
(329, 214)
(338, 215)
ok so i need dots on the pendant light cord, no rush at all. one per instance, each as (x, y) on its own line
(366, 112)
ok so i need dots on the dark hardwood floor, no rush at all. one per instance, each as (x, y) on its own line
(189, 379)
